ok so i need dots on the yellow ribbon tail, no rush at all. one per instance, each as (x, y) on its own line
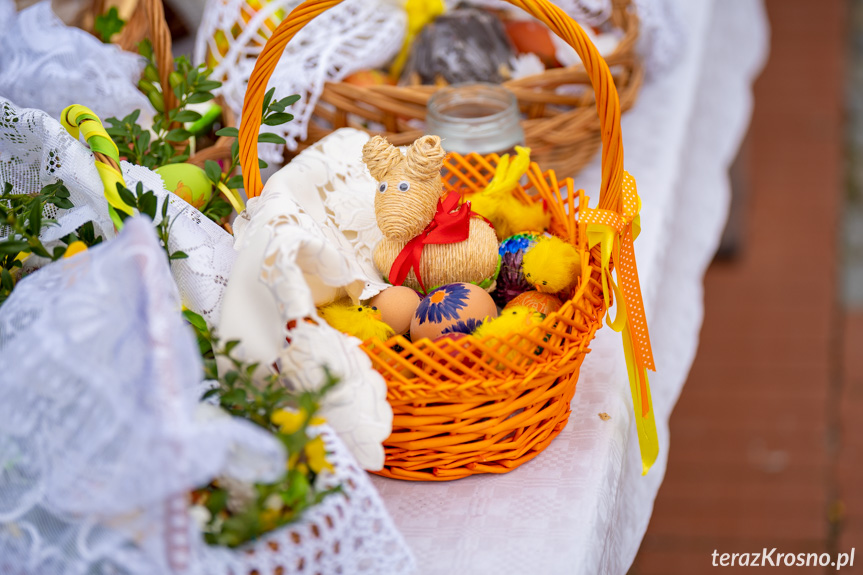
(233, 197)
(642, 405)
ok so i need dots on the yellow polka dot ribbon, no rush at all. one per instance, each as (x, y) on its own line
(81, 120)
(615, 233)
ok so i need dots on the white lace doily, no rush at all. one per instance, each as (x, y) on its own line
(306, 241)
(355, 35)
(349, 532)
(47, 65)
(36, 150)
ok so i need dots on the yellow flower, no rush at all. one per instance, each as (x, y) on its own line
(316, 455)
(291, 421)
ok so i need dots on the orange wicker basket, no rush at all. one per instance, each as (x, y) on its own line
(474, 405)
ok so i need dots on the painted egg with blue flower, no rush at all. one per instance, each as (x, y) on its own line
(510, 280)
(452, 308)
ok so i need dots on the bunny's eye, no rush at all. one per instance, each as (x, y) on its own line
(382, 187)
(404, 186)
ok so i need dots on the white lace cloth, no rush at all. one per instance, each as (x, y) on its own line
(306, 241)
(582, 506)
(355, 35)
(36, 150)
(47, 65)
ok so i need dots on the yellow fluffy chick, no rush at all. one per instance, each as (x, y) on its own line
(551, 265)
(518, 318)
(362, 322)
(512, 320)
(498, 205)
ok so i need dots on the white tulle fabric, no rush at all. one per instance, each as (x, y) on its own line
(99, 417)
(307, 241)
(47, 65)
(102, 435)
(355, 35)
(36, 150)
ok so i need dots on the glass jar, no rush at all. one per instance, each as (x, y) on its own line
(481, 118)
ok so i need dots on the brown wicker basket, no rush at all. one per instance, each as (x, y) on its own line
(562, 131)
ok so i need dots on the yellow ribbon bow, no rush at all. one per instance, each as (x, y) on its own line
(81, 120)
(615, 233)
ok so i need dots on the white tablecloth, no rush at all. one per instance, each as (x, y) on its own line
(583, 506)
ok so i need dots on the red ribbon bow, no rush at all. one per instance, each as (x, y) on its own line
(450, 225)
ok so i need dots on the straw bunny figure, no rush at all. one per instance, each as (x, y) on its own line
(422, 229)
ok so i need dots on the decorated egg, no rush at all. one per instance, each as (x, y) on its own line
(544, 303)
(458, 307)
(397, 305)
(511, 280)
(187, 181)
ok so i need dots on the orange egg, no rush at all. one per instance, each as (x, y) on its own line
(451, 308)
(544, 303)
(531, 37)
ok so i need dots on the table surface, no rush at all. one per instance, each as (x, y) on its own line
(582, 506)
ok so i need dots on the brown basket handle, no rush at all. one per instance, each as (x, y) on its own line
(149, 15)
(607, 102)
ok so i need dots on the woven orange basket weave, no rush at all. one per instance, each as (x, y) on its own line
(484, 405)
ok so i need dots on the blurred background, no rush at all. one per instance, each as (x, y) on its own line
(766, 438)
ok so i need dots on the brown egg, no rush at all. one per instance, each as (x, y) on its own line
(397, 305)
(544, 303)
(452, 308)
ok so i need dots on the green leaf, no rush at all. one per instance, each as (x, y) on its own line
(268, 138)
(234, 397)
(6, 280)
(127, 196)
(284, 103)
(229, 347)
(268, 97)
(178, 256)
(278, 119)
(199, 98)
(213, 170)
(187, 116)
(262, 164)
(35, 219)
(196, 320)
(235, 182)
(108, 24)
(14, 247)
(148, 203)
(62, 203)
(208, 85)
(178, 135)
(229, 132)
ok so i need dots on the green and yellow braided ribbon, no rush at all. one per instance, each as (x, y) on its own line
(81, 120)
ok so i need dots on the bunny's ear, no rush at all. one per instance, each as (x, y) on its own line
(380, 156)
(425, 158)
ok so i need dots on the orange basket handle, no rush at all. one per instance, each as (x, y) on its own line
(607, 102)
